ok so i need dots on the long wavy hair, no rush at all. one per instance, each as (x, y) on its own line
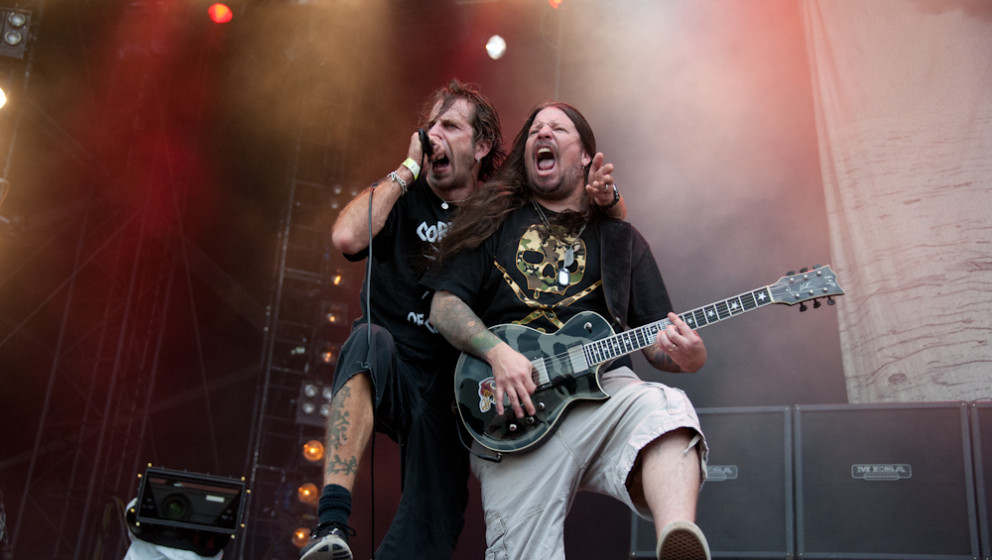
(485, 124)
(484, 211)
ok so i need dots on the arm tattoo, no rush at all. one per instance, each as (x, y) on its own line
(337, 465)
(460, 325)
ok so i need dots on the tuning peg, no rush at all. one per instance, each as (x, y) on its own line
(830, 300)
(804, 269)
(802, 307)
(816, 304)
(790, 273)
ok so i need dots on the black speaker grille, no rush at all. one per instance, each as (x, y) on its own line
(884, 479)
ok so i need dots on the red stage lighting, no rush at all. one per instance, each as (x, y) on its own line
(220, 13)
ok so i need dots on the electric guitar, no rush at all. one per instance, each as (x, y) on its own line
(566, 363)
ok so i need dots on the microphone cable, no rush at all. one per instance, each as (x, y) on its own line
(426, 148)
(368, 367)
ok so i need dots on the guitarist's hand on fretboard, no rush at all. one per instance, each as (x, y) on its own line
(678, 348)
(513, 374)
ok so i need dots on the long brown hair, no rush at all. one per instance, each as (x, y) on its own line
(482, 213)
(485, 123)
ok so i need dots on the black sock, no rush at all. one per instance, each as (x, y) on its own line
(334, 504)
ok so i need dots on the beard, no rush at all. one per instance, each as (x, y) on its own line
(570, 179)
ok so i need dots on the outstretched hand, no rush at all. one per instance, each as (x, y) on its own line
(600, 186)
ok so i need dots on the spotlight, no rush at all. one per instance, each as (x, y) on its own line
(329, 354)
(336, 314)
(340, 279)
(220, 13)
(313, 451)
(300, 537)
(307, 493)
(496, 47)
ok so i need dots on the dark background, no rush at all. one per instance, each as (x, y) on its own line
(151, 157)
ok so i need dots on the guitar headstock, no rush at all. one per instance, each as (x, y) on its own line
(808, 284)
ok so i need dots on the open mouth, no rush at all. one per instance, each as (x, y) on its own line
(545, 158)
(441, 163)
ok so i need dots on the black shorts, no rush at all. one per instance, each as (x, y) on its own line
(413, 406)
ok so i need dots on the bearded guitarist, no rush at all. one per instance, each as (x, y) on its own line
(528, 249)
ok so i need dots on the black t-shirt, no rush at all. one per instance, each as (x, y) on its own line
(401, 252)
(518, 275)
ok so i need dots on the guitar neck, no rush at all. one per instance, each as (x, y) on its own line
(627, 342)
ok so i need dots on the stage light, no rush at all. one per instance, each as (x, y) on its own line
(307, 493)
(555, 3)
(3, 97)
(340, 278)
(300, 537)
(496, 47)
(313, 404)
(14, 32)
(329, 355)
(313, 451)
(336, 313)
(220, 13)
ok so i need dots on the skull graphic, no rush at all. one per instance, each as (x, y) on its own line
(542, 261)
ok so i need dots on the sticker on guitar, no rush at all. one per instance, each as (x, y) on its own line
(487, 394)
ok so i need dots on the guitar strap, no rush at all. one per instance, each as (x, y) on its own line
(615, 258)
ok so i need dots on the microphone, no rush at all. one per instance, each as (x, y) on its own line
(425, 143)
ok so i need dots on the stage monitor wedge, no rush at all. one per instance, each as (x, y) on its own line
(186, 500)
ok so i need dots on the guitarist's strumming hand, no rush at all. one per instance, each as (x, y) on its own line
(514, 377)
(678, 348)
(456, 321)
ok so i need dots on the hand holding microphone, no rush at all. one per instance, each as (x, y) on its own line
(426, 150)
(425, 145)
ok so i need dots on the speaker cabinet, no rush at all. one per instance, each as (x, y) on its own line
(884, 481)
(981, 441)
(745, 507)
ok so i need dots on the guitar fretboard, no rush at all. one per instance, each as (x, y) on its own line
(627, 342)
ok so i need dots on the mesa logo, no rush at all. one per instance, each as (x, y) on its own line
(881, 471)
(721, 473)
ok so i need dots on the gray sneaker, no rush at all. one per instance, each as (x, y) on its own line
(329, 541)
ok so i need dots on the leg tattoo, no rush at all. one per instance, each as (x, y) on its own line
(337, 435)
